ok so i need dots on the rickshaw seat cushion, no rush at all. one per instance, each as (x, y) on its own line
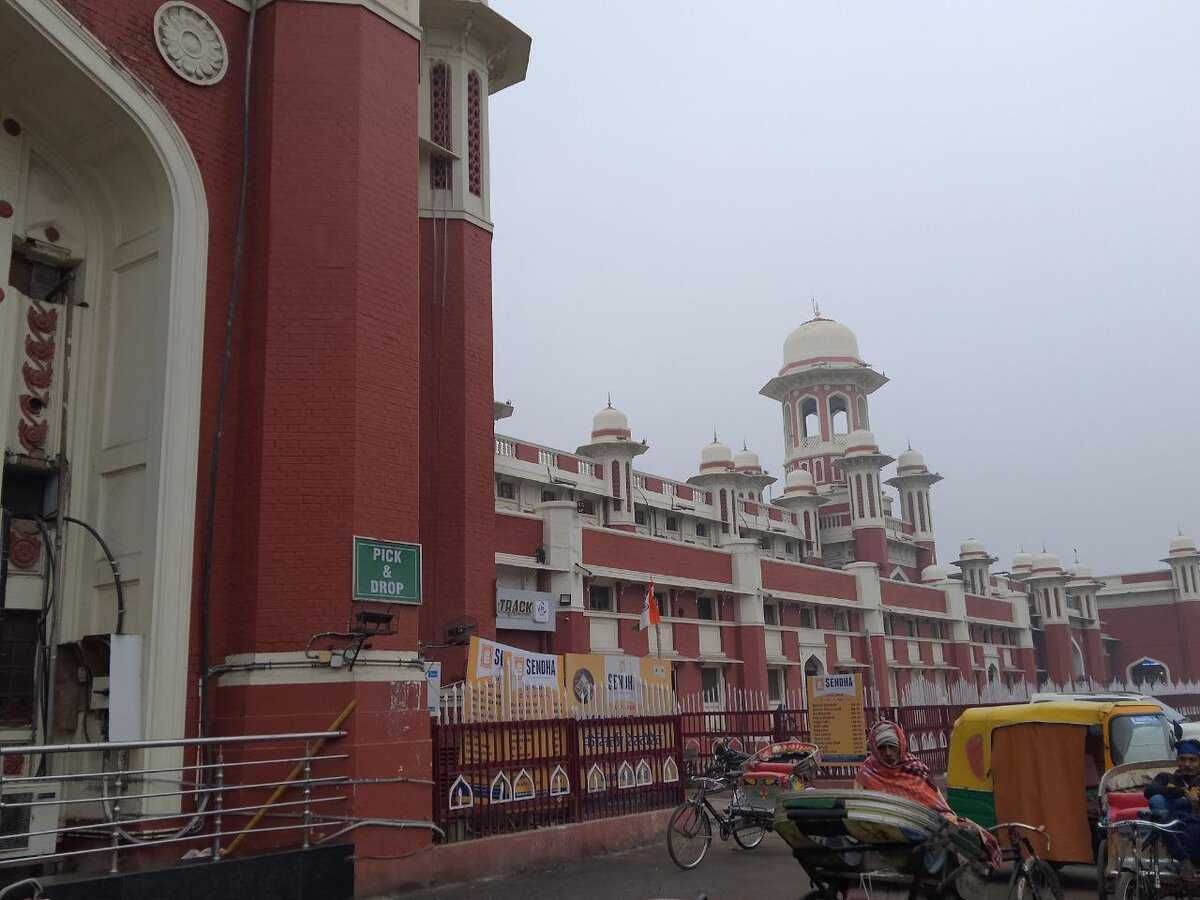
(1124, 805)
(774, 768)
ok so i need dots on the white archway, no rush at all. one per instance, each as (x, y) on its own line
(133, 146)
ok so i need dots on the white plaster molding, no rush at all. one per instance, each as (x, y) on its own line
(168, 643)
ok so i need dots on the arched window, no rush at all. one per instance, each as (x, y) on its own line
(440, 172)
(474, 140)
(818, 471)
(724, 514)
(858, 490)
(810, 421)
(807, 527)
(1058, 601)
(921, 510)
(912, 512)
(839, 414)
(863, 422)
(871, 493)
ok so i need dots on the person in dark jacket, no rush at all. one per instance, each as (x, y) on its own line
(1176, 795)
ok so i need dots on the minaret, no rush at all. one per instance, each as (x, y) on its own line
(975, 563)
(1184, 561)
(614, 449)
(800, 496)
(468, 52)
(912, 482)
(1084, 589)
(718, 476)
(1046, 583)
(823, 388)
(753, 478)
(862, 465)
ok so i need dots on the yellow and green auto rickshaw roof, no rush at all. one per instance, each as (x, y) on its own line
(970, 762)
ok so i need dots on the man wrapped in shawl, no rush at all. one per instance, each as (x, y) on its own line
(891, 768)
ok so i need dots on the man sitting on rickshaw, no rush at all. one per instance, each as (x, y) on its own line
(891, 768)
(1176, 795)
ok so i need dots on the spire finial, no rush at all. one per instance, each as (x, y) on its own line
(910, 443)
(744, 447)
(610, 399)
(816, 309)
(1043, 546)
(1075, 550)
(714, 435)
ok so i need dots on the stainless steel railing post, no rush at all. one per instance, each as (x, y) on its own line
(115, 831)
(307, 794)
(218, 802)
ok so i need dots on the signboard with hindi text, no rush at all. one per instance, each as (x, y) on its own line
(836, 720)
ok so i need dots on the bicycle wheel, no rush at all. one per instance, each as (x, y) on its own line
(1129, 887)
(1037, 880)
(688, 835)
(1102, 870)
(748, 833)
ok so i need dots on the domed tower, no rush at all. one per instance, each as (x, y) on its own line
(614, 449)
(823, 388)
(1184, 561)
(1047, 583)
(976, 564)
(1082, 590)
(753, 479)
(862, 464)
(912, 482)
(718, 474)
(800, 496)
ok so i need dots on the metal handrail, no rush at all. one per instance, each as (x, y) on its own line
(186, 767)
(111, 822)
(109, 746)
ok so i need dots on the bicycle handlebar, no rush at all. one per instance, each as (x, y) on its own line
(1015, 826)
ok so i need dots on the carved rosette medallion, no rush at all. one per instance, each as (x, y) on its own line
(191, 43)
(37, 371)
(24, 549)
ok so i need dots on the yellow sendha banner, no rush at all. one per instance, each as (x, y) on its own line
(505, 678)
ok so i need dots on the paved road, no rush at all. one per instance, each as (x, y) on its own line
(768, 873)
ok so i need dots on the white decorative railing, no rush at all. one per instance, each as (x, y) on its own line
(505, 447)
(547, 457)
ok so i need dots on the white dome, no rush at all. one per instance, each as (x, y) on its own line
(820, 340)
(1022, 561)
(910, 461)
(1079, 571)
(746, 459)
(1182, 546)
(934, 574)
(799, 481)
(1046, 562)
(859, 443)
(716, 456)
(972, 549)
(610, 425)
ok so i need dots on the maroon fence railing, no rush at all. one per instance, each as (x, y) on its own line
(928, 729)
(499, 777)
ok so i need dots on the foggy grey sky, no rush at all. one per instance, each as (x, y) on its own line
(1002, 200)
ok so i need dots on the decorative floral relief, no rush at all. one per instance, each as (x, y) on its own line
(191, 43)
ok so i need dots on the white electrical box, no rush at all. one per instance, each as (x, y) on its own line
(125, 687)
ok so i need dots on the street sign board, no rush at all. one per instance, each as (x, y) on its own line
(836, 720)
(386, 571)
